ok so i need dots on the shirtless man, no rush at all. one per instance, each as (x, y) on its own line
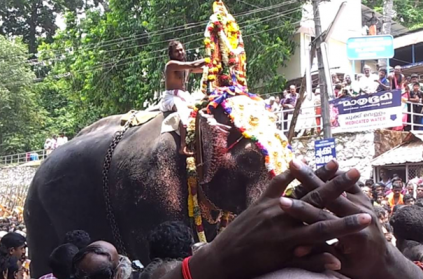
(396, 79)
(176, 98)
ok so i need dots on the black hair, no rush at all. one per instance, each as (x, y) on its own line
(407, 197)
(419, 202)
(369, 182)
(397, 183)
(79, 238)
(379, 211)
(171, 240)
(172, 45)
(383, 70)
(338, 86)
(416, 84)
(4, 259)
(60, 260)
(159, 267)
(13, 240)
(13, 268)
(360, 184)
(105, 270)
(407, 222)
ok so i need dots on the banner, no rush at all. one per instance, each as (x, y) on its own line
(366, 112)
(324, 151)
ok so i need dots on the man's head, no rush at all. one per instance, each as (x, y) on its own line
(381, 214)
(348, 79)
(61, 134)
(176, 51)
(379, 188)
(60, 260)
(397, 69)
(419, 191)
(272, 100)
(171, 240)
(93, 262)
(367, 191)
(408, 223)
(396, 188)
(292, 89)
(369, 182)
(408, 199)
(334, 78)
(54, 136)
(414, 78)
(384, 174)
(79, 238)
(366, 70)
(382, 73)
(416, 87)
(15, 244)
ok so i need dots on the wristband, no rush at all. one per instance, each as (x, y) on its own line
(186, 273)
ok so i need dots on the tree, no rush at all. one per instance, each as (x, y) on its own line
(21, 117)
(115, 60)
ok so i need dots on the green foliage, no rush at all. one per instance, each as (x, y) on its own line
(409, 12)
(21, 117)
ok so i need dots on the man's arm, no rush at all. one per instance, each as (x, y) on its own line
(179, 66)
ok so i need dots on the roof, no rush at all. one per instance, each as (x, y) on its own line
(411, 38)
(410, 151)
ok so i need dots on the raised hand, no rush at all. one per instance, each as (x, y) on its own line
(363, 253)
(263, 238)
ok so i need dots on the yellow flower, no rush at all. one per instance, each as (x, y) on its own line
(207, 60)
(207, 41)
(190, 163)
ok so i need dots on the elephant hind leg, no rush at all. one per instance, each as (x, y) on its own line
(41, 237)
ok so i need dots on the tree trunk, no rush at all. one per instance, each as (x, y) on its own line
(32, 22)
(387, 24)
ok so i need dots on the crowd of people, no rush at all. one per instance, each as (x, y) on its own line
(54, 142)
(361, 222)
(366, 83)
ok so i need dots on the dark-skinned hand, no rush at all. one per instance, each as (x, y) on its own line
(263, 238)
(363, 254)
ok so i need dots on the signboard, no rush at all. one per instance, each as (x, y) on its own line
(366, 112)
(324, 151)
(370, 47)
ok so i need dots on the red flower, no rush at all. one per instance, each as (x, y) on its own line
(232, 61)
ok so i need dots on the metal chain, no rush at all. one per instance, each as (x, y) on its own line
(106, 191)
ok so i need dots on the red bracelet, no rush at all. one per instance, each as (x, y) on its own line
(186, 273)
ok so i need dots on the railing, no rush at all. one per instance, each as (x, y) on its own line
(309, 119)
(22, 158)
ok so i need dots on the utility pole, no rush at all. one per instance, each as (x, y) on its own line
(387, 24)
(324, 99)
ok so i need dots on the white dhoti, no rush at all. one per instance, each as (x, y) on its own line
(177, 99)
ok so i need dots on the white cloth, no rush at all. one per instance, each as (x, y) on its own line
(171, 123)
(368, 84)
(179, 99)
(61, 141)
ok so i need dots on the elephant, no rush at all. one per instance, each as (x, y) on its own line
(147, 184)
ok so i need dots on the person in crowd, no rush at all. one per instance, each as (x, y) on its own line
(410, 188)
(413, 80)
(176, 97)
(379, 189)
(369, 182)
(388, 233)
(367, 191)
(415, 97)
(289, 104)
(50, 145)
(419, 192)
(338, 92)
(240, 252)
(349, 89)
(367, 81)
(170, 240)
(383, 81)
(15, 243)
(272, 105)
(159, 268)
(60, 262)
(381, 214)
(385, 178)
(62, 139)
(4, 261)
(409, 199)
(396, 198)
(13, 268)
(79, 238)
(335, 80)
(405, 96)
(397, 79)
(100, 260)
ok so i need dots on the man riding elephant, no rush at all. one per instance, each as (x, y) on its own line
(176, 98)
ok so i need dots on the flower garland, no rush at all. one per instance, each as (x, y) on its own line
(225, 55)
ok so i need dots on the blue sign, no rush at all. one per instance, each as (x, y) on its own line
(324, 151)
(370, 47)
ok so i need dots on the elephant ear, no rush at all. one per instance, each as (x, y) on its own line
(214, 138)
